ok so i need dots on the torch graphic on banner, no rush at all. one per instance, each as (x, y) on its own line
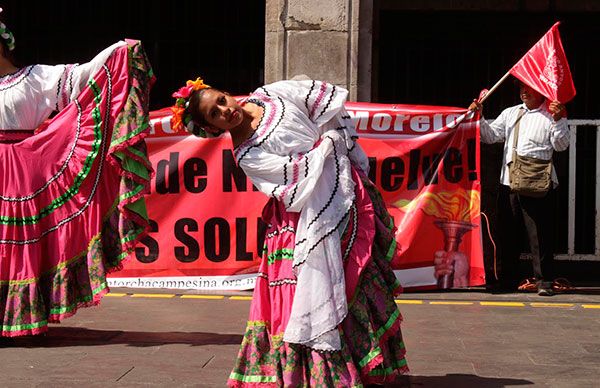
(453, 211)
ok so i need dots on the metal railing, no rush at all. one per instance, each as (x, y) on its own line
(572, 253)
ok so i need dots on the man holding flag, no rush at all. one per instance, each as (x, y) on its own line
(531, 132)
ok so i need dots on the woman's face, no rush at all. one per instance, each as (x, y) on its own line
(220, 110)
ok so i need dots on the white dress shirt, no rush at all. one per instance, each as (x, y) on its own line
(539, 135)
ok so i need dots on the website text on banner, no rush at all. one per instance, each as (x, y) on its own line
(206, 218)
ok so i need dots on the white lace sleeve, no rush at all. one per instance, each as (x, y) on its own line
(323, 104)
(319, 100)
(56, 86)
(78, 75)
(45, 86)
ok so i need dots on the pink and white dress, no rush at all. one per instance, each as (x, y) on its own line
(71, 194)
(323, 311)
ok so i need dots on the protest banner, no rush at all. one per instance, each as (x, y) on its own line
(205, 214)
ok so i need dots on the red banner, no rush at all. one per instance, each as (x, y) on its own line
(545, 68)
(206, 215)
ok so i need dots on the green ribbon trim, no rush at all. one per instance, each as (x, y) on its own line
(388, 370)
(280, 254)
(252, 379)
(123, 255)
(71, 307)
(60, 310)
(81, 176)
(139, 154)
(143, 126)
(369, 357)
(393, 244)
(87, 298)
(26, 326)
(129, 194)
(132, 236)
(373, 353)
(392, 249)
(58, 267)
(133, 166)
(390, 322)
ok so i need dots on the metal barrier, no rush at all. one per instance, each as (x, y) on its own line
(572, 253)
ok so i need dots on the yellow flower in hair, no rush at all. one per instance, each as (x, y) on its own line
(177, 118)
(180, 119)
(198, 84)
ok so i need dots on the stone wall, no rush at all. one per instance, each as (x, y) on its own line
(322, 40)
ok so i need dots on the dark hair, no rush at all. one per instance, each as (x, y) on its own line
(6, 53)
(198, 119)
(193, 108)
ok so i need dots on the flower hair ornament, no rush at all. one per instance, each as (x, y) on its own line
(182, 118)
(7, 36)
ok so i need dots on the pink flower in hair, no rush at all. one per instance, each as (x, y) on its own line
(183, 92)
(180, 119)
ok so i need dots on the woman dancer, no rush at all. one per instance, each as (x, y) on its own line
(323, 312)
(71, 194)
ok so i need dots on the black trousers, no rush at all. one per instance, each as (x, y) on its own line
(525, 221)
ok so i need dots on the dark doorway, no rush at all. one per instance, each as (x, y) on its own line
(425, 52)
(447, 57)
(222, 42)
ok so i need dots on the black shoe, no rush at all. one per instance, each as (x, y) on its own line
(545, 291)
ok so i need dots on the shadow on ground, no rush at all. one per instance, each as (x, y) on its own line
(583, 291)
(464, 381)
(76, 336)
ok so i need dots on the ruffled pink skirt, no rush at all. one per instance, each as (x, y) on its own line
(372, 347)
(71, 198)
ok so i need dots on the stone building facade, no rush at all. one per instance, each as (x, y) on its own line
(443, 52)
(321, 39)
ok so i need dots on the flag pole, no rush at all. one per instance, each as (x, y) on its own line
(494, 87)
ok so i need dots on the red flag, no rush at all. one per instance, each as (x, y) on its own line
(545, 68)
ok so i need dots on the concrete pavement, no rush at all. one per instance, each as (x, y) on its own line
(454, 339)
